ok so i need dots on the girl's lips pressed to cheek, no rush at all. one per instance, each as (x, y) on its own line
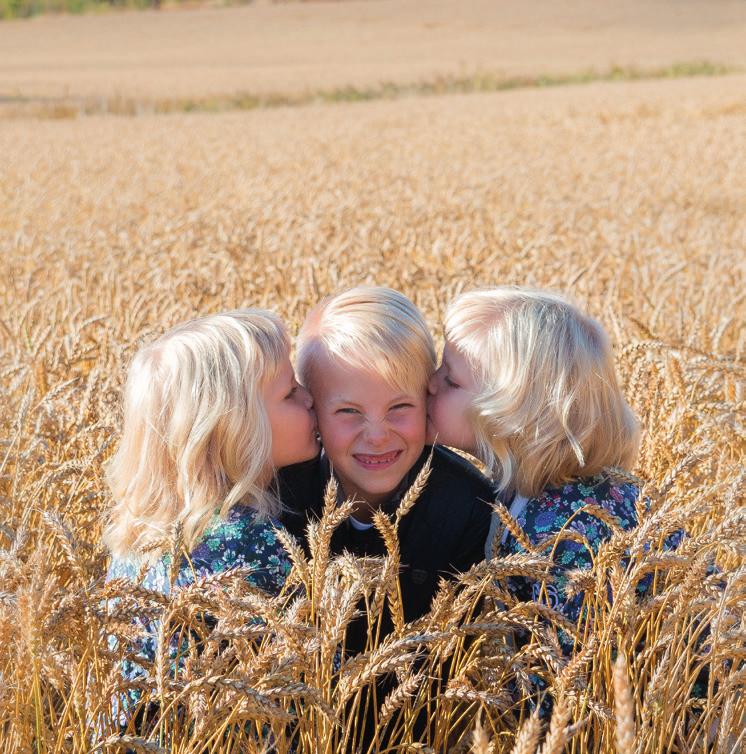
(376, 462)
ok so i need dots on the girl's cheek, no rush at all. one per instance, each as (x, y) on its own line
(436, 406)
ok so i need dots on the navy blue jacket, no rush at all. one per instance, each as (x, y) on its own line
(444, 533)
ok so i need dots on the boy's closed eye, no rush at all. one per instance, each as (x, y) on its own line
(450, 382)
(352, 410)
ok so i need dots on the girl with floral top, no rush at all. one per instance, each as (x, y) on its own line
(527, 384)
(211, 410)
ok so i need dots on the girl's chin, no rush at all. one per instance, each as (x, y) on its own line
(432, 434)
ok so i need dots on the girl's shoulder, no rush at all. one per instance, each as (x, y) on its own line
(565, 505)
(603, 490)
(243, 539)
(242, 527)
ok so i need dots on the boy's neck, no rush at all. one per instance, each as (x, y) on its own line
(363, 508)
(363, 511)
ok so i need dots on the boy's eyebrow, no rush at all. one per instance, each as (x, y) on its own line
(399, 398)
(402, 397)
(342, 399)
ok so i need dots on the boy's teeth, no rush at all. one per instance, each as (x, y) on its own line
(383, 458)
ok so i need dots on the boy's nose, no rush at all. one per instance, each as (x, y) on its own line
(376, 433)
(432, 384)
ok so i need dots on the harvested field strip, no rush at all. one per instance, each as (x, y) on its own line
(295, 48)
(63, 107)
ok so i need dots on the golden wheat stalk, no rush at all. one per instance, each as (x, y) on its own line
(624, 708)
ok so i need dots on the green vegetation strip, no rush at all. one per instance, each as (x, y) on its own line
(18, 106)
(27, 8)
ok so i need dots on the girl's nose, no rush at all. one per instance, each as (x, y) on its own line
(432, 384)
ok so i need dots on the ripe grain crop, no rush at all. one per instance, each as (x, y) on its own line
(628, 196)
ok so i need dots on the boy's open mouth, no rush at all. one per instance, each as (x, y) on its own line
(378, 461)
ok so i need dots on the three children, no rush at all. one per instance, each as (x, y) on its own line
(527, 384)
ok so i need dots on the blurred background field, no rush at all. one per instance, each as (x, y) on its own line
(137, 61)
(117, 221)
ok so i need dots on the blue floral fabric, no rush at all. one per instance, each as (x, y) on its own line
(545, 515)
(556, 509)
(238, 540)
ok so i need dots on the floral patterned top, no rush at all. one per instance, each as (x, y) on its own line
(239, 540)
(545, 515)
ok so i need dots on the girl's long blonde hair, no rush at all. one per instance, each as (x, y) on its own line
(196, 435)
(550, 409)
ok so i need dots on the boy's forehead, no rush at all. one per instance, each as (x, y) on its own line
(335, 379)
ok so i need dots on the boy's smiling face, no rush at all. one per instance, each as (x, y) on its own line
(372, 432)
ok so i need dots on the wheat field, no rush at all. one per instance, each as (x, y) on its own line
(629, 196)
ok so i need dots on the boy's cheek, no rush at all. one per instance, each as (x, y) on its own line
(333, 436)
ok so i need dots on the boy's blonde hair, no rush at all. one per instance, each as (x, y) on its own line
(196, 437)
(550, 409)
(372, 328)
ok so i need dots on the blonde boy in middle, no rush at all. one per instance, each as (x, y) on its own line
(366, 355)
